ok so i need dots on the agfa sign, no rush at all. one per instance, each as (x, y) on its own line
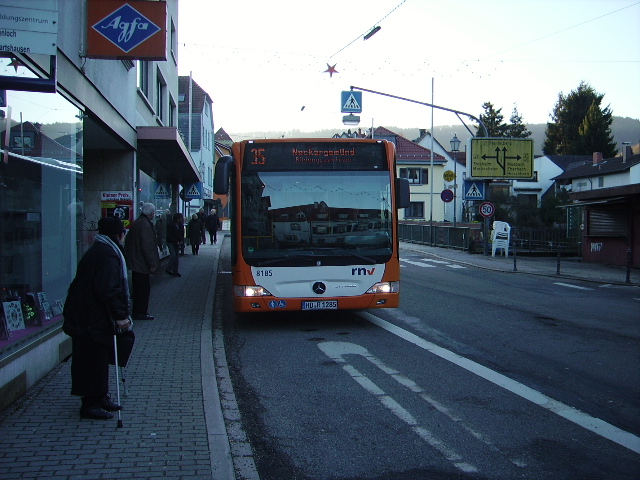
(118, 29)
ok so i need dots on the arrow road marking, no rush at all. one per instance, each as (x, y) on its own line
(595, 425)
(337, 350)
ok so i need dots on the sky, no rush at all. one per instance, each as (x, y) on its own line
(264, 64)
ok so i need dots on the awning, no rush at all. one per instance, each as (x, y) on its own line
(163, 156)
(594, 202)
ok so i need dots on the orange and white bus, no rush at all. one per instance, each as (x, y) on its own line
(314, 223)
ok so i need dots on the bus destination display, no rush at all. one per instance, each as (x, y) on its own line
(314, 156)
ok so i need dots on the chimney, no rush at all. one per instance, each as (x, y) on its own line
(423, 132)
(627, 151)
(597, 158)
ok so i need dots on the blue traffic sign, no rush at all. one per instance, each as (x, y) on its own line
(351, 102)
(473, 190)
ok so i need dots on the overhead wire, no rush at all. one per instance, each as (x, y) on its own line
(369, 30)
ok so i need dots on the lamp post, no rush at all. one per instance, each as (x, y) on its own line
(455, 148)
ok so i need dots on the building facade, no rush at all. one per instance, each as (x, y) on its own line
(84, 135)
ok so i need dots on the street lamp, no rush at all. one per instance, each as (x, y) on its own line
(455, 148)
(351, 119)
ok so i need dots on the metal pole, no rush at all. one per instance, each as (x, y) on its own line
(629, 261)
(457, 112)
(431, 179)
(455, 185)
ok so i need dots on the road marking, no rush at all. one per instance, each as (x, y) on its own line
(419, 264)
(595, 425)
(442, 262)
(572, 286)
(336, 352)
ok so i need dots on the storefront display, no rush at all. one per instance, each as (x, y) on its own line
(42, 222)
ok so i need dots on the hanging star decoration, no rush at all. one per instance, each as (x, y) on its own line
(331, 69)
(15, 63)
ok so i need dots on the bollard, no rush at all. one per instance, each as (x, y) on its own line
(515, 268)
(558, 264)
(629, 259)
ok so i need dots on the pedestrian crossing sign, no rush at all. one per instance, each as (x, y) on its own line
(351, 102)
(162, 190)
(473, 190)
(193, 191)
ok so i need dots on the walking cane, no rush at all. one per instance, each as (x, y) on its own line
(115, 353)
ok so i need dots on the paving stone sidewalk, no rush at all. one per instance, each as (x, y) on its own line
(169, 412)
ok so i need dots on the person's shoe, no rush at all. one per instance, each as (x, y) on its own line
(143, 316)
(176, 274)
(109, 405)
(95, 413)
(169, 272)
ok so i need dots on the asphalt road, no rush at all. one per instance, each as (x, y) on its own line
(477, 375)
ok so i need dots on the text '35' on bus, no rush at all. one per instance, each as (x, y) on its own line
(314, 223)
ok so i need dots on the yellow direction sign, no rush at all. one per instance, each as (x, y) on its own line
(449, 176)
(502, 158)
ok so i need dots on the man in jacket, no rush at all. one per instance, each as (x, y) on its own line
(212, 223)
(143, 259)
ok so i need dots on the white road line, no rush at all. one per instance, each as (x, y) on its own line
(336, 351)
(453, 265)
(419, 264)
(432, 260)
(595, 425)
(572, 286)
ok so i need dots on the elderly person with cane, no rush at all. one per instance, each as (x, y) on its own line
(97, 305)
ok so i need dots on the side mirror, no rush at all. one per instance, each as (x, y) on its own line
(403, 197)
(224, 166)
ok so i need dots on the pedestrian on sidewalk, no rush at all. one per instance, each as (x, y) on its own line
(143, 259)
(175, 239)
(203, 218)
(213, 225)
(194, 232)
(97, 303)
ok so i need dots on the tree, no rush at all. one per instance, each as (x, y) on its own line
(493, 120)
(516, 127)
(580, 126)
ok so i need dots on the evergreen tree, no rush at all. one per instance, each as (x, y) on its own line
(572, 133)
(516, 127)
(493, 120)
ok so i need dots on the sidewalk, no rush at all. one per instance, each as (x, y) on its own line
(568, 268)
(173, 425)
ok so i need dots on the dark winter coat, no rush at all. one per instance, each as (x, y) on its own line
(98, 295)
(212, 223)
(141, 246)
(195, 229)
(175, 233)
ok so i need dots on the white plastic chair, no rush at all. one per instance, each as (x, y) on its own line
(500, 236)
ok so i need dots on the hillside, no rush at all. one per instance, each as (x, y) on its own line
(624, 129)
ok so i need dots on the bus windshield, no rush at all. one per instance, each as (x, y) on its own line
(316, 217)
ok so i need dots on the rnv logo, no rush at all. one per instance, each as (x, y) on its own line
(362, 271)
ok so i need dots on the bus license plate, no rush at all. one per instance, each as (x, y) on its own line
(320, 305)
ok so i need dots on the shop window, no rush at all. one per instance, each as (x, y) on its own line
(44, 228)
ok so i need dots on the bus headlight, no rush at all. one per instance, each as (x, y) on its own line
(250, 291)
(385, 287)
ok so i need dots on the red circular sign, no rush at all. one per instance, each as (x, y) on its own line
(487, 209)
(446, 195)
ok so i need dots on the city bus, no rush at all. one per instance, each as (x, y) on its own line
(314, 223)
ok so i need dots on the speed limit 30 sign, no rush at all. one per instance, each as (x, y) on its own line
(487, 209)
